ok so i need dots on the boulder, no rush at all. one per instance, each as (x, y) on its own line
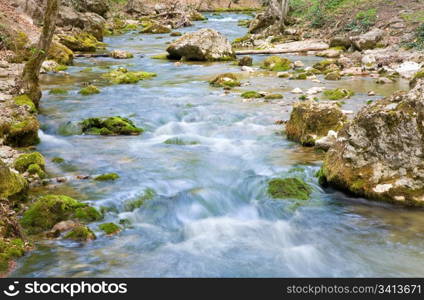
(99, 7)
(121, 54)
(340, 41)
(311, 120)
(203, 45)
(380, 153)
(368, 40)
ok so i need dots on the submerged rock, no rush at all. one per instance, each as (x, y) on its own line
(311, 120)
(110, 228)
(251, 95)
(225, 80)
(380, 153)
(277, 64)
(110, 126)
(286, 188)
(80, 233)
(123, 76)
(203, 45)
(89, 90)
(107, 177)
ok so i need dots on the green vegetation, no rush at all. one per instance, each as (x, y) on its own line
(10, 249)
(131, 205)
(58, 91)
(109, 228)
(107, 177)
(338, 94)
(35, 169)
(282, 188)
(277, 64)
(178, 141)
(25, 160)
(251, 95)
(110, 126)
(81, 233)
(57, 160)
(123, 76)
(49, 210)
(24, 100)
(274, 96)
(89, 90)
(228, 80)
(418, 43)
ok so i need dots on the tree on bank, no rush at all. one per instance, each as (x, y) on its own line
(271, 22)
(30, 75)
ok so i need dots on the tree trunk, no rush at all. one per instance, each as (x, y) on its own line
(30, 75)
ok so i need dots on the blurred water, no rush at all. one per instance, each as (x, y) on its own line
(211, 216)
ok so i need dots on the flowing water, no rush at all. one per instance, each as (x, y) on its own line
(210, 216)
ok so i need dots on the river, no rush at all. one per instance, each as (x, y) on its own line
(210, 216)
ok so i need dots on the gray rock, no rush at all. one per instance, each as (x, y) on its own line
(368, 40)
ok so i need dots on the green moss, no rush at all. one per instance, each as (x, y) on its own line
(89, 90)
(251, 95)
(321, 177)
(160, 56)
(12, 185)
(323, 64)
(36, 169)
(123, 76)
(131, 205)
(419, 75)
(299, 76)
(282, 188)
(338, 94)
(61, 68)
(225, 80)
(83, 41)
(49, 210)
(57, 160)
(277, 64)
(24, 100)
(58, 91)
(110, 126)
(178, 141)
(333, 76)
(25, 160)
(155, 28)
(274, 96)
(109, 228)
(10, 249)
(23, 132)
(106, 177)
(60, 53)
(81, 233)
(87, 214)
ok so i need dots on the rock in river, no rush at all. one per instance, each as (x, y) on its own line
(203, 45)
(380, 154)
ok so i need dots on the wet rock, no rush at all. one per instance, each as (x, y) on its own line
(225, 80)
(110, 126)
(156, 28)
(49, 210)
(311, 120)
(289, 188)
(245, 61)
(203, 45)
(110, 228)
(277, 64)
(368, 40)
(379, 154)
(107, 177)
(81, 233)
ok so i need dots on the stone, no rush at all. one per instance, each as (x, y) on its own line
(368, 40)
(408, 69)
(379, 154)
(12, 184)
(340, 41)
(121, 54)
(298, 64)
(311, 120)
(297, 91)
(203, 45)
(326, 142)
(226, 80)
(245, 61)
(330, 53)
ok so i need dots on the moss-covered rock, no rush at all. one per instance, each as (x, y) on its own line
(123, 76)
(22, 132)
(333, 76)
(83, 41)
(324, 64)
(378, 155)
(10, 249)
(60, 53)
(58, 91)
(277, 64)
(163, 56)
(273, 96)
(80, 233)
(251, 95)
(110, 228)
(110, 126)
(194, 15)
(35, 169)
(49, 210)
(57, 160)
(107, 177)
(131, 205)
(311, 120)
(299, 76)
(155, 28)
(121, 54)
(89, 90)
(228, 80)
(25, 160)
(24, 100)
(12, 185)
(289, 188)
(338, 94)
(418, 76)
